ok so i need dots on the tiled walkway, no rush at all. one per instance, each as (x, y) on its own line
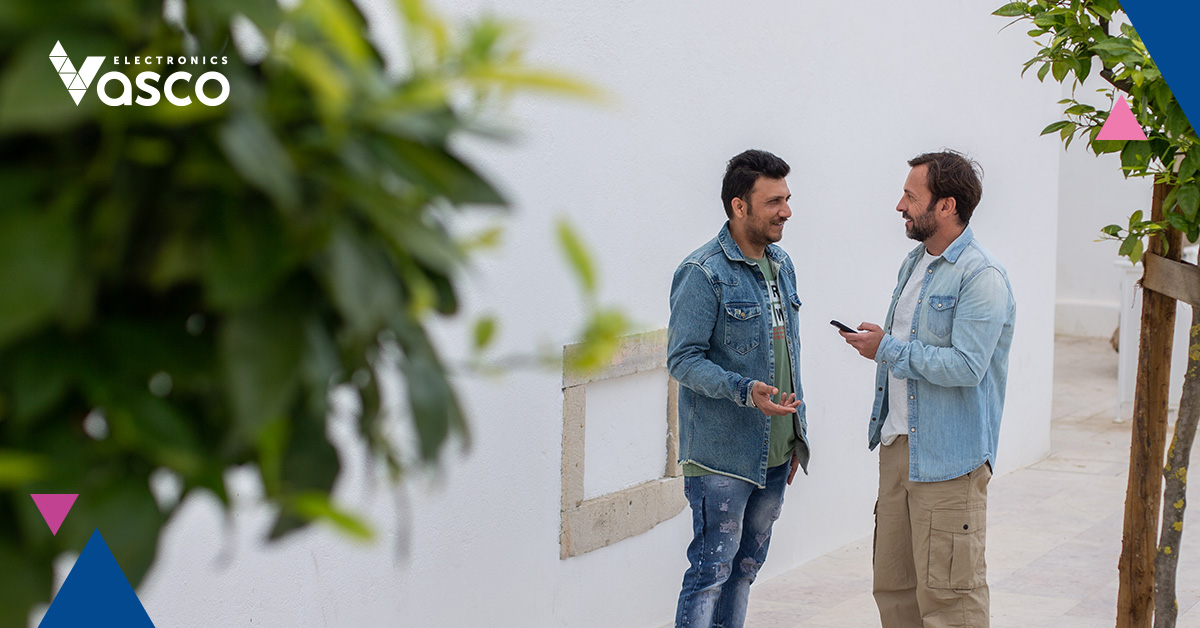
(1054, 527)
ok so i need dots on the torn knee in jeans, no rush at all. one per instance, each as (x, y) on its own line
(750, 567)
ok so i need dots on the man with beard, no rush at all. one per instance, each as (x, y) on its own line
(939, 394)
(734, 346)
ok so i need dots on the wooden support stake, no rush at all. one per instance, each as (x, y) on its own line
(1143, 498)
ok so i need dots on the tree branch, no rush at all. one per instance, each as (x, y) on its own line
(1122, 84)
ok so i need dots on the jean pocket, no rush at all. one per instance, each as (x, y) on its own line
(742, 326)
(956, 546)
(941, 315)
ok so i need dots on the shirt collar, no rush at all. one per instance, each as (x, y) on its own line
(953, 251)
(734, 252)
(958, 245)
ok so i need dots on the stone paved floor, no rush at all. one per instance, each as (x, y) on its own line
(1054, 527)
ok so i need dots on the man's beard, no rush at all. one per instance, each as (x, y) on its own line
(924, 226)
(763, 236)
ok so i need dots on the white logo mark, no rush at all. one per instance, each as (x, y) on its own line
(77, 81)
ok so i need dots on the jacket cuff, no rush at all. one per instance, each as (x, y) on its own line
(743, 392)
(889, 349)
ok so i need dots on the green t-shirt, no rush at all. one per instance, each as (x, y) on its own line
(783, 433)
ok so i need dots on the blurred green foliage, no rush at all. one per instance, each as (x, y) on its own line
(1071, 36)
(181, 287)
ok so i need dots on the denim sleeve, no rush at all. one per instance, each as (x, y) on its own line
(695, 306)
(982, 310)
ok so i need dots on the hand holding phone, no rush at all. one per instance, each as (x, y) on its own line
(843, 327)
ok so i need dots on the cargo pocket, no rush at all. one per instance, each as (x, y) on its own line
(941, 315)
(742, 326)
(956, 544)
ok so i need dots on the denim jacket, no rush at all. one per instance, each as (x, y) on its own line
(955, 359)
(718, 343)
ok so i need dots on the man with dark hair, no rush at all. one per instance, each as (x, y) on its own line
(939, 394)
(734, 347)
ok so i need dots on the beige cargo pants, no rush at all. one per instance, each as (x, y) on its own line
(929, 543)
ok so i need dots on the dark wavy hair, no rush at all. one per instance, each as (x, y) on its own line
(953, 175)
(744, 169)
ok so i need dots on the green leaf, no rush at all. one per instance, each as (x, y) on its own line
(1112, 230)
(1188, 199)
(1135, 157)
(1012, 9)
(18, 468)
(310, 462)
(341, 26)
(19, 595)
(434, 406)
(577, 256)
(1135, 218)
(37, 266)
(43, 370)
(436, 169)
(1055, 126)
(1113, 46)
(1107, 146)
(601, 339)
(1067, 132)
(318, 507)
(485, 332)
(364, 286)
(258, 156)
(1178, 221)
(1169, 202)
(1059, 70)
(1128, 244)
(489, 238)
(1085, 68)
(246, 255)
(1191, 162)
(1042, 71)
(1136, 253)
(1046, 20)
(258, 355)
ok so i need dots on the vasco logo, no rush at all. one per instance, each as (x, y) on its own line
(78, 81)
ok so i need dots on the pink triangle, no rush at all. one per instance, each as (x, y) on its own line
(54, 507)
(1121, 125)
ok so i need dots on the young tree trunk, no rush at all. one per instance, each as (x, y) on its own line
(1135, 597)
(1166, 607)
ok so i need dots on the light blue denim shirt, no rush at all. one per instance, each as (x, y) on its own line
(955, 358)
(718, 343)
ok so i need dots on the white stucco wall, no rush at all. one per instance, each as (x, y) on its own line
(846, 96)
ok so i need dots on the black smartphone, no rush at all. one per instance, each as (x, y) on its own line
(843, 327)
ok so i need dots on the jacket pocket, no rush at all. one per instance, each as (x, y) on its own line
(956, 544)
(941, 315)
(743, 326)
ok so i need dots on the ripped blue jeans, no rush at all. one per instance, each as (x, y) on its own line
(731, 522)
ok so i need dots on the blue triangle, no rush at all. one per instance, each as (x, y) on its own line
(1167, 30)
(96, 594)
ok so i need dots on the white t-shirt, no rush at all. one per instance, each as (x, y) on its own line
(902, 328)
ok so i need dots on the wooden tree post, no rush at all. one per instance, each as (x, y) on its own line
(1175, 496)
(1143, 497)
